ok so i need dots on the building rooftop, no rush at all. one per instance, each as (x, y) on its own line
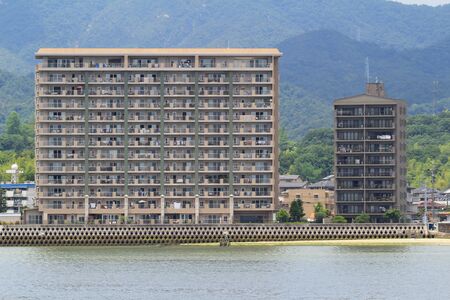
(289, 177)
(17, 185)
(367, 99)
(326, 183)
(42, 52)
(421, 190)
(291, 185)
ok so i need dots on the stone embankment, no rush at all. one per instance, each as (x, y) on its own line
(46, 235)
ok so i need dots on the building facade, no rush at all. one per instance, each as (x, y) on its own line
(157, 135)
(370, 154)
(310, 198)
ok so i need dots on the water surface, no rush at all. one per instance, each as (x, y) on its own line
(238, 272)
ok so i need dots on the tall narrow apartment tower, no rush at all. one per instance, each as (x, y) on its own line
(370, 154)
(153, 136)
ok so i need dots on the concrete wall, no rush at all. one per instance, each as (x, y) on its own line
(444, 227)
(27, 235)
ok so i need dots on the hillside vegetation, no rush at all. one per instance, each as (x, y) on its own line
(428, 148)
(324, 45)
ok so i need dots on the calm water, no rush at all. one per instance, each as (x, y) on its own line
(238, 272)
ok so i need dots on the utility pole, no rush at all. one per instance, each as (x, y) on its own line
(425, 215)
(433, 180)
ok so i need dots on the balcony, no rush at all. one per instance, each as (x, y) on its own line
(374, 186)
(250, 207)
(381, 162)
(61, 182)
(349, 112)
(381, 137)
(381, 199)
(179, 93)
(60, 105)
(214, 93)
(235, 65)
(106, 92)
(102, 79)
(82, 65)
(144, 79)
(144, 208)
(61, 93)
(145, 92)
(350, 149)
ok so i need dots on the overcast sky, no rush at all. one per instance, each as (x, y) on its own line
(428, 2)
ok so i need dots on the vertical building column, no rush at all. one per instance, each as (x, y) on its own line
(163, 205)
(196, 137)
(365, 194)
(230, 145)
(126, 206)
(126, 104)
(86, 147)
(275, 136)
(86, 209)
(197, 209)
(231, 203)
(161, 144)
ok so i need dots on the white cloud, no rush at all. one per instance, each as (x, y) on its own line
(427, 2)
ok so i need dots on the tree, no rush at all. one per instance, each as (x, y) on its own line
(393, 215)
(17, 136)
(320, 212)
(13, 123)
(296, 210)
(362, 218)
(339, 219)
(282, 216)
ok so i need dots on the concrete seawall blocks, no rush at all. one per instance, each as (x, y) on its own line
(46, 235)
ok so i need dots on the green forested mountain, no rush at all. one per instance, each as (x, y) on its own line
(325, 44)
(27, 25)
(318, 64)
(16, 94)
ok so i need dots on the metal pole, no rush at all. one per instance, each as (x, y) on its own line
(425, 217)
(433, 180)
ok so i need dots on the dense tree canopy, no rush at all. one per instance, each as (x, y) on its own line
(311, 157)
(428, 148)
(16, 136)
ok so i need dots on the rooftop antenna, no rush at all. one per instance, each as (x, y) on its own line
(367, 70)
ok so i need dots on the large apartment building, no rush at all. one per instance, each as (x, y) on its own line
(153, 136)
(370, 154)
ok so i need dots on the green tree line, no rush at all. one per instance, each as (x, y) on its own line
(428, 148)
(311, 157)
(17, 146)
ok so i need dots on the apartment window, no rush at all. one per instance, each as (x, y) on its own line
(56, 204)
(207, 62)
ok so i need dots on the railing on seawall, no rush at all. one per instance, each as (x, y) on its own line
(43, 235)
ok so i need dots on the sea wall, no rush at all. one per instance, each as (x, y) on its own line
(43, 235)
(444, 228)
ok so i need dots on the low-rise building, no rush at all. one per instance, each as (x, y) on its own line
(15, 197)
(310, 198)
(327, 183)
(289, 182)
